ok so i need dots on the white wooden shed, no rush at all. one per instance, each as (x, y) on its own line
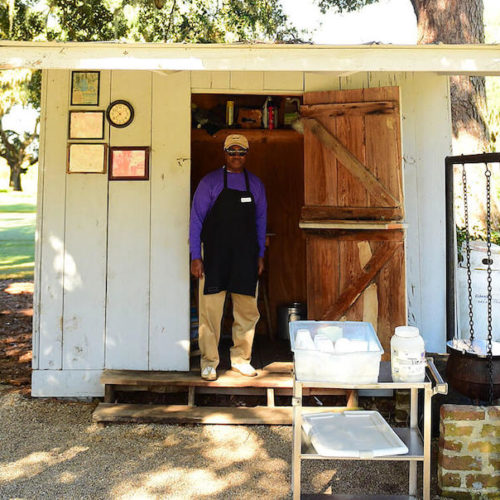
(112, 273)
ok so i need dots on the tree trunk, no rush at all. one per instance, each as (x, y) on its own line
(458, 22)
(461, 22)
(15, 179)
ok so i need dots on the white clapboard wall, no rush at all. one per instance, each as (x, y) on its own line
(112, 276)
(112, 271)
(85, 233)
(129, 229)
(170, 203)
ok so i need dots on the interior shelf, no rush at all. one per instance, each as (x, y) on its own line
(410, 437)
(252, 134)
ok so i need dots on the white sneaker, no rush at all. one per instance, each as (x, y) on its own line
(245, 369)
(208, 373)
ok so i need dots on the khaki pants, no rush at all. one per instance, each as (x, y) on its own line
(210, 309)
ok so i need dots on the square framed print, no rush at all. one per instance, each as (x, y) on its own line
(85, 88)
(129, 163)
(86, 124)
(85, 158)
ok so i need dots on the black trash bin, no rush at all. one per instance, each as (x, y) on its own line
(295, 311)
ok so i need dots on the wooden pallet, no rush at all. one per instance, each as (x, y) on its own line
(274, 379)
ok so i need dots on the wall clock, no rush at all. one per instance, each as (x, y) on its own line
(120, 113)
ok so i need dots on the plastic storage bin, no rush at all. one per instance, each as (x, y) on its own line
(312, 365)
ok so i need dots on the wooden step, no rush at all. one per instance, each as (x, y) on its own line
(182, 414)
(274, 379)
(227, 378)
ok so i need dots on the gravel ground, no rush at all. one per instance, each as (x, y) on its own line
(51, 449)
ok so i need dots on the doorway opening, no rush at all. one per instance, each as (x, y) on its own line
(276, 156)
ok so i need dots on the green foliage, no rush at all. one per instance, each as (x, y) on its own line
(205, 21)
(343, 5)
(33, 89)
(20, 20)
(80, 21)
(476, 233)
(14, 89)
(192, 21)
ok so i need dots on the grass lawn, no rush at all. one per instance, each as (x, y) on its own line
(17, 226)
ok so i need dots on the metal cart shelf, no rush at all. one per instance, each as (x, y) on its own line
(419, 445)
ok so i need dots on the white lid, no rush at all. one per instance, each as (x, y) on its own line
(407, 331)
(362, 433)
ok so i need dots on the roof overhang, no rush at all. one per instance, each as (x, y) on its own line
(444, 59)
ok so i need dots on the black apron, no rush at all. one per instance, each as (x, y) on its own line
(230, 244)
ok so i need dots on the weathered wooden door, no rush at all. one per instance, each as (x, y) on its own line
(354, 208)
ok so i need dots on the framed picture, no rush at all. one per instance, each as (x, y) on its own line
(86, 124)
(85, 88)
(129, 163)
(85, 158)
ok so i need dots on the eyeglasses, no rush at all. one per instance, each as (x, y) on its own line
(234, 152)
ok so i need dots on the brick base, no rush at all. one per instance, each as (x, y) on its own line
(469, 452)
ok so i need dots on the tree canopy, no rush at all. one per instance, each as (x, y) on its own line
(343, 5)
(190, 21)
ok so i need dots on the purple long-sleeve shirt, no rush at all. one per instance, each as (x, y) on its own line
(207, 192)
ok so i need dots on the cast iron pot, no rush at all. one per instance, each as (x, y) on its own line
(468, 374)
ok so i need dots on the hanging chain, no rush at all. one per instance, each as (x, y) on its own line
(487, 173)
(467, 252)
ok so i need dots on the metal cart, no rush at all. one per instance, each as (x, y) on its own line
(419, 446)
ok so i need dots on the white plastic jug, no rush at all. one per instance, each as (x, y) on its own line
(407, 355)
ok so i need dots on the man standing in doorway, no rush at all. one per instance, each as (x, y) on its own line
(228, 220)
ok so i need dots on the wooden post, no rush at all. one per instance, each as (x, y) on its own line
(109, 393)
(270, 397)
(352, 398)
(191, 394)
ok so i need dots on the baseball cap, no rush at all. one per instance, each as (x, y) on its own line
(236, 140)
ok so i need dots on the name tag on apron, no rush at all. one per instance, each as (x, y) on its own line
(246, 200)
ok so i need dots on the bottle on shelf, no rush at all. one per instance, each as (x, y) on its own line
(269, 114)
(272, 113)
(229, 113)
(265, 116)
